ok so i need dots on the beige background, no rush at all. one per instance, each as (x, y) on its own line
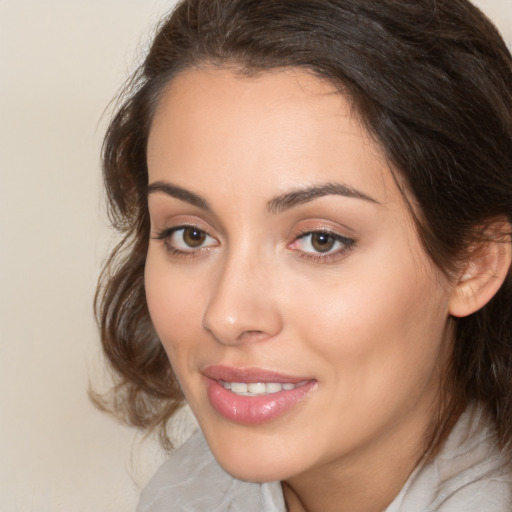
(61, 61)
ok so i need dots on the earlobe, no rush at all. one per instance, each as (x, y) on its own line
(485, 270)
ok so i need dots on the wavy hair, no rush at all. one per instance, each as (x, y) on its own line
(432, 82)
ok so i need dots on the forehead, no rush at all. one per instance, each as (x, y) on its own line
(285, 127)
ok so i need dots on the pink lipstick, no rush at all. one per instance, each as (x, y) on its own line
(251, 395)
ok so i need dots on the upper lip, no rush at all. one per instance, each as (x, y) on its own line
(248, 375)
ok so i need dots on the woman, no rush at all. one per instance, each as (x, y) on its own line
(316, 197)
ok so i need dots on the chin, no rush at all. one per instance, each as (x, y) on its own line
(251, 457)
(249, 471)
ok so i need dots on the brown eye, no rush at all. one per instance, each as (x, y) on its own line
(322, 242)
(186, 240)
(322, 246)
(193, 237)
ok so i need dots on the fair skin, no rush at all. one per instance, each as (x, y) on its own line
(331, 289)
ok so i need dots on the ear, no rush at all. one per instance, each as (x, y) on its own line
(485, 270)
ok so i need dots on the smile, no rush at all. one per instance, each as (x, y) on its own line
(253, 396)
(258, 388)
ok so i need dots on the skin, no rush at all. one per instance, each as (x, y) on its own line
(369, 320)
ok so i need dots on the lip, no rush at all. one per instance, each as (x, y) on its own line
(232, 374)
(253, 410)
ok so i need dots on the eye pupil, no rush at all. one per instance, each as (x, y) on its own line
(322, 242)
(193, 237)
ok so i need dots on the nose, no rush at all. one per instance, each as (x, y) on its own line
(242, 305)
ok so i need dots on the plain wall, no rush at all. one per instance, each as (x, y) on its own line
(61, 63)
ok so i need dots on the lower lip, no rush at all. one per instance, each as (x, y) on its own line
(253, 410)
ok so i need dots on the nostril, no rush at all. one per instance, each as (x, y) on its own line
(253, 325)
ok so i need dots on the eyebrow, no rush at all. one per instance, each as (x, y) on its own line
(179, 193)
(305, 195)
(278, 204)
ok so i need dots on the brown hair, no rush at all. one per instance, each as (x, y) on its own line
(430, 79)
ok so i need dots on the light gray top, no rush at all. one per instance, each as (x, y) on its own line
(468, 475)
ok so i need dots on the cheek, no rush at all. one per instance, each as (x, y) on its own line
(174, 305)
(375, 325)
(376, 344)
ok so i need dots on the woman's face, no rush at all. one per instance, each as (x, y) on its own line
(283, 264)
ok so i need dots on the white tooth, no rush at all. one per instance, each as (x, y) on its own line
(288, 386)
(239, 387)
(273, 387)
(256, 388)
(227, 385)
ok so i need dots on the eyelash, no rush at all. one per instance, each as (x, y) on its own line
(317, 257)
(327, 257)
(166, 235)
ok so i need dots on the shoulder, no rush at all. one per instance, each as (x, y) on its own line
(190, 480)
(468, 475)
